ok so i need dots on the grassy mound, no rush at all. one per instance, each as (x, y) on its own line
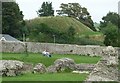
(62, 23)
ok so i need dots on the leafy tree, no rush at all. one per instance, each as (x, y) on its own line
(110, 27)
(111, 35)
(46, 9)
(88, 22)
(72, 9)
(12, 19)
(110, 17)
(80, 13)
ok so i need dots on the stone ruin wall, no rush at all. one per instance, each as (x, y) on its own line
(105, 70)
(19, 47)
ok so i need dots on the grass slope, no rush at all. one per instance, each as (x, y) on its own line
(62, 23)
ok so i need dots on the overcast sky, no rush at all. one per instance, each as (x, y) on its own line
(96, 8)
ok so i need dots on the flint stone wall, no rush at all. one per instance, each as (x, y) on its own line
(18, 47)
(13, 47)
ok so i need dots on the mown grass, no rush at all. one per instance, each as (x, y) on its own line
(35, 58)
(48, 77)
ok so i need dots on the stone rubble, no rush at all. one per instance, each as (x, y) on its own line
(52, 69)
(107, 68)
(85, 67)
(40, 68)
(61, 64)
(27, 68)
(10, 67)
(14, 67)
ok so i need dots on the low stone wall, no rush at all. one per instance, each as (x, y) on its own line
(13, 47)
(52, 48)
(64, 48)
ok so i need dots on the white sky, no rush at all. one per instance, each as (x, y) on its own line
(96, 8)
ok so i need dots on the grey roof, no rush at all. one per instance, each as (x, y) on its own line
(9, 38)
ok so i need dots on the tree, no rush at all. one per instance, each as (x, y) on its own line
(111, 35)
(80, 13)
(12, 19)
(110, 17)
(72, 9)
(46, 9)
(110, 27)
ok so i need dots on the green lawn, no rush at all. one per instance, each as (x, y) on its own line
(38, 58)
(35, 58)
(48, 77)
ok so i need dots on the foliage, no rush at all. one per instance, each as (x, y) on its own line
(48, 32)
(97, 26)
(110, 17)
(12, 19)
(71, 31)
(111, 32)
(75, 10)
(44, 33)
(110, 27)
(65, 29)
(60, 23)
(88, 22)
(71, 34)
(87, 41)
(46, 9)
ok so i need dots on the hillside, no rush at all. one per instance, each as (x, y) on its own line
(60, 25)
